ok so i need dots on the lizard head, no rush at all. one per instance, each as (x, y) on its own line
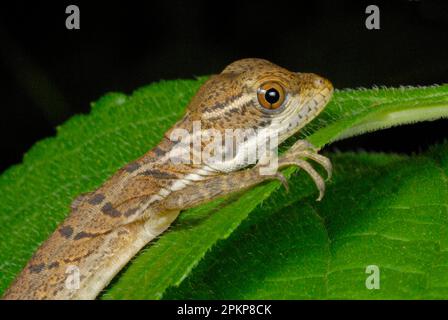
(255, 93)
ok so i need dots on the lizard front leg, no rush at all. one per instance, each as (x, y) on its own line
(223, 184)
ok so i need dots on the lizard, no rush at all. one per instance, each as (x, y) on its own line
(107, 227)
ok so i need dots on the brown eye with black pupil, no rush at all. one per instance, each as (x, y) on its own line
(271, 95)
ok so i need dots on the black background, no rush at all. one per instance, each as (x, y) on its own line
(48, 73)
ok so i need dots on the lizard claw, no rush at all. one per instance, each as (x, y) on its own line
(280, 177)
(318, 180)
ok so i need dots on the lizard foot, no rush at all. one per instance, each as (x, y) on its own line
(297, 156)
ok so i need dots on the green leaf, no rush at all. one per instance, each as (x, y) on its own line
(385, 210)
(35, 196)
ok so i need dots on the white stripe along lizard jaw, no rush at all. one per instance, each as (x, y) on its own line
(108, 226)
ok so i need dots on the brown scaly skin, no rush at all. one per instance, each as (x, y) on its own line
(107, 227)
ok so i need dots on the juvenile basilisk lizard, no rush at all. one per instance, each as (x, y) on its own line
(107, 227)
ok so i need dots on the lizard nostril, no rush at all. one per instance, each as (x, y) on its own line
(319, 82)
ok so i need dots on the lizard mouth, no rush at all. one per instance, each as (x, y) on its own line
(321, 93)
(309, 108)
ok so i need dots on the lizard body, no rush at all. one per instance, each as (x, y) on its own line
(107, 227)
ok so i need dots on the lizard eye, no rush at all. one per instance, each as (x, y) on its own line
(271, 95)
